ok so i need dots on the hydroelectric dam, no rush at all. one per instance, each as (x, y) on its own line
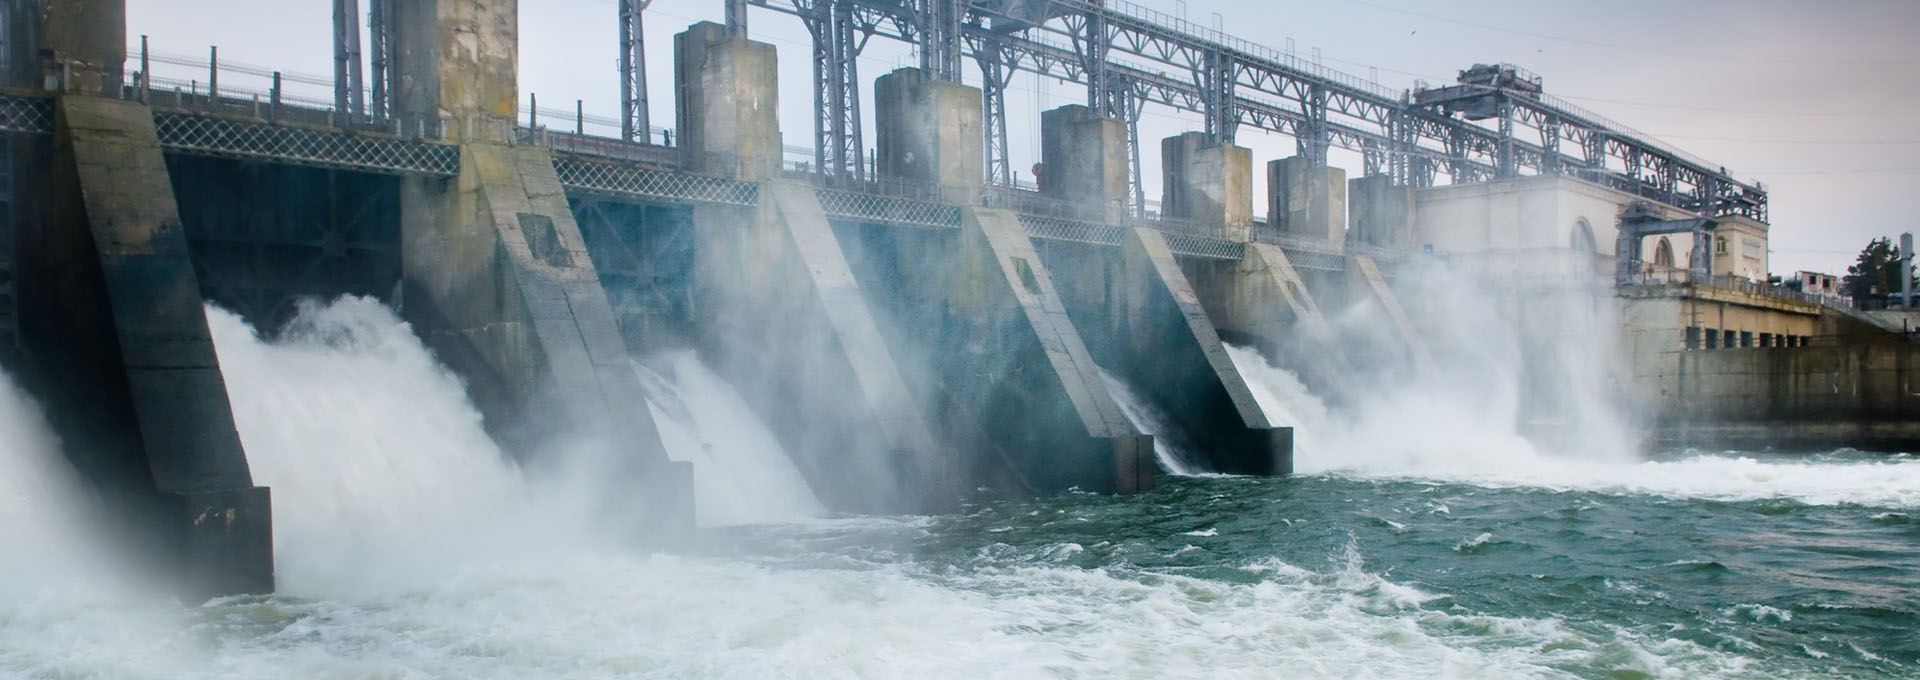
(912, 322)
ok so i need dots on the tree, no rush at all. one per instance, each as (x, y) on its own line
(1875, 272)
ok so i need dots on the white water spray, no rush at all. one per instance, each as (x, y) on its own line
(1170, 446)
(378, 463)
(741, 475)
(42, 515)
(1424, 432)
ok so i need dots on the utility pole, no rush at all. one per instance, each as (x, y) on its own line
(1906, 270)
(347, 99)
(634, 123)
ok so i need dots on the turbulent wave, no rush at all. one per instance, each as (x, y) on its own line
(1444, 434)
(704, 618)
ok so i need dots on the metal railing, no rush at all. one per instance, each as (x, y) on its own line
(252, 140)
(630, 180)
(1223, 39)
(31, 114)
(1683, 277)
(876, 207)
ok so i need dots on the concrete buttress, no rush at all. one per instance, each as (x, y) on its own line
(497, 279)
(1366, 282)
(780, 313)
(117, 347)
(1145, 324)
(1258, 300)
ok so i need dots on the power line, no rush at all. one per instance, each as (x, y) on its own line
(1619, 46)
(1818, 142)
(1749, 112)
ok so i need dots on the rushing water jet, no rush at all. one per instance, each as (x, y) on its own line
(741, 473)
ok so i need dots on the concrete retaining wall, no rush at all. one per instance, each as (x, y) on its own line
(1862, 394)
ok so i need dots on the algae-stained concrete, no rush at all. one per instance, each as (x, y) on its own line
(1859, 393)
(497, 280)
(118, 350)
(1084, 160)
(983, 333)
(1211, 184)
(499, 284)
(779, 313)
(1142, 321)
(929, 134)
(1258, 300)
(728, 98)
(1307, 200)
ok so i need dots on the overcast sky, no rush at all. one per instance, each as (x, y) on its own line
(1820, 101)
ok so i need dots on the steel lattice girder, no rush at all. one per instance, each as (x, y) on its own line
(1356, 114)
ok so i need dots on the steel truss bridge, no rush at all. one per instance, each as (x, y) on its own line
(1128, 56)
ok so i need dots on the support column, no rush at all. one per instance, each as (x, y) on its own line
(1364, 282)
(112, 326)
(727, 94)
(1258, 300)
(779, 312)
(1307, 201)
(1382, 212)
(1211, 184)
(1084, 161)
(1014, 389)
(497, 279)
(929, 134)
(115, 334)
(1144, 323)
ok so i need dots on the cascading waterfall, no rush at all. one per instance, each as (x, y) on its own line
(379, 466)
(1170, 447)
(741, 475)
(42, 513)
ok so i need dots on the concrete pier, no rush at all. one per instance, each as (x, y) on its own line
(727, 102)
(112, 324)
(497, 280)
(1144, 323)
(1365, 282)
(929, 134)
(979, 327)
(1084, 160)
(1260, 300)
(1209, 184)
(1307, 201)
(779, 312)
(1380, 213)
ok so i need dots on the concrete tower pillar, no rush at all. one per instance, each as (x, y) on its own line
(456, 67)
(929, 134)
(112, 326)
(1084, 160)
(729, 103)
(1211, 184)
(778, 308)
(1307, 201)
(497, 278)
(1381, 212)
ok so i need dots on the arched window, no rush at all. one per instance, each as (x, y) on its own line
(1663, 253)
(1583, 237)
